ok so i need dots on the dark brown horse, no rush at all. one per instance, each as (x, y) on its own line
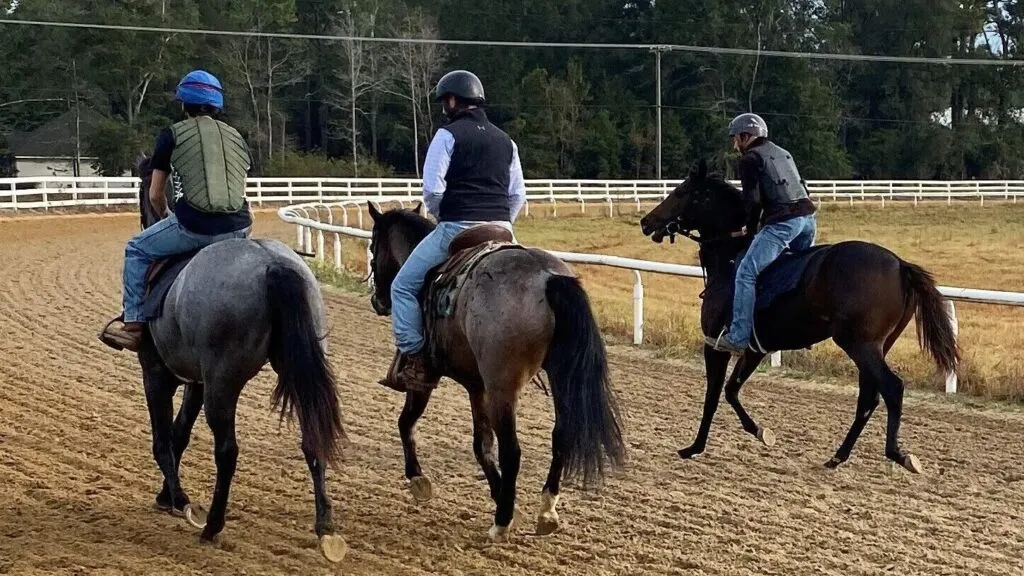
(859, 294)
(519, 310)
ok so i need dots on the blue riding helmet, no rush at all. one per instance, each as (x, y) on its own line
(201, 87)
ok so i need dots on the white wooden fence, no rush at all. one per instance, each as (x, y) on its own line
(61, 192)
(335, 220)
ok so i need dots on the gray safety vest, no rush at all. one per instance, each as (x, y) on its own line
(780, 181)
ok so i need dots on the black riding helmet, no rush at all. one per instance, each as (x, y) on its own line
(462, 84)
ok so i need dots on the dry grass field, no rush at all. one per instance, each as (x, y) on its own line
(963, 245)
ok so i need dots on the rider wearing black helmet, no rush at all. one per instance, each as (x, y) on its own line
(778, 202)
(471, 176)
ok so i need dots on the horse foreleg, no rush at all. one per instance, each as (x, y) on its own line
(188, 412)
(740, 374)
(483, 443)
(159, 386)
(715, 364)
(415, 405)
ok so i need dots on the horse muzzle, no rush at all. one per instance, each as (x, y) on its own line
(379, 307)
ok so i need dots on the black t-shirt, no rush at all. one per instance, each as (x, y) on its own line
(749, 169)
(193, 220)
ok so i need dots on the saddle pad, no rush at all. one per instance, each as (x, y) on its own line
(160, 285)
(783, 275)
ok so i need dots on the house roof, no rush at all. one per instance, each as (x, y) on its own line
(56, 138)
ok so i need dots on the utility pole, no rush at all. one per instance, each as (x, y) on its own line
(658, 51)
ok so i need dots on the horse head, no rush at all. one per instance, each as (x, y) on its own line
(703, 202)
(395, 233)
(148, 214)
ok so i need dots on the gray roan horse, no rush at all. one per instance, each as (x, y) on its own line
(237, 304)
(518, 310)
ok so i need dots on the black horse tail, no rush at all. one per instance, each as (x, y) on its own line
(587, 415)
(934, 327)
(305, 381)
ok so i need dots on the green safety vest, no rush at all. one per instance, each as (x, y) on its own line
(209, 163)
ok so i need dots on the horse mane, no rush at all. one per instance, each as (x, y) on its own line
(415, 226)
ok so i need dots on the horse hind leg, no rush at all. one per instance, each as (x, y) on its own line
(867, 401)
(483, 443)
(740, 374)
(221, 404)
(509, 457)
(891, 388)
(547, 518)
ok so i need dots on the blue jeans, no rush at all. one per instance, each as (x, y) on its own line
(796, 233)
(406, 316)
(165, 238)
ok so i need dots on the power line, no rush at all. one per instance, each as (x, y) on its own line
(507, 43)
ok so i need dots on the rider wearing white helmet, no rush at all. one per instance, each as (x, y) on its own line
(778, 202)
(206, 161)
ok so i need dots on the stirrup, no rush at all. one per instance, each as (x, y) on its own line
(107, 339)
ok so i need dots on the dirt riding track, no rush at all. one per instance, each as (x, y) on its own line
(77, 477)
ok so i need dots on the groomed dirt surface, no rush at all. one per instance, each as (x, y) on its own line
(77, 478)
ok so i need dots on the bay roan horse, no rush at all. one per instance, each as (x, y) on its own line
(518, 311)
(859, 294)
(237, 304)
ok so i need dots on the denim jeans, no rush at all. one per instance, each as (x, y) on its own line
(165, 238)
(406, 316)
(796, 233)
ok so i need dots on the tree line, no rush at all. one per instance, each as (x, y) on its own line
(347, 107)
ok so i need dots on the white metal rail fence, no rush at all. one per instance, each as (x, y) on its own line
(66, 191)
(314, 221)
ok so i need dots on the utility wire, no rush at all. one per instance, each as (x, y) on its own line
(594, 45)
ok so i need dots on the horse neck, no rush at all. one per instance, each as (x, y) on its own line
(717, 258)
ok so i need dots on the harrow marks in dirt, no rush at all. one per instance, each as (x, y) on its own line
(77, 479)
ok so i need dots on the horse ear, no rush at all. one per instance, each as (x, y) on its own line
(418, 208)
(374, 211)
(702, 169)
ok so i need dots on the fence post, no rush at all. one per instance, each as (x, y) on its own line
(775, 359)
(299, 237)
(951, 380)
(338, 264)
(638, 308)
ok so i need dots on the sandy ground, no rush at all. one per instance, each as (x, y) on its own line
(77, 477)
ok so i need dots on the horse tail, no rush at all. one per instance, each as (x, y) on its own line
(934, 327)
(577, 367)
(305, 381)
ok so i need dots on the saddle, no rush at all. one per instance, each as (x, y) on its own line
(444, 282)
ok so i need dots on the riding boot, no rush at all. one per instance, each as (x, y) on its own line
(127, 337)
(413, 375)
(391, 380)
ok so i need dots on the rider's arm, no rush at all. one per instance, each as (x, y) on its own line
(516, 186)
(435, 167)
(161, 165)
(749, 168)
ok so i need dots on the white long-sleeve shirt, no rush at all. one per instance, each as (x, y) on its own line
(435, 167)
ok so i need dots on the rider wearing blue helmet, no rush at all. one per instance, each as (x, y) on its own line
(206, 161)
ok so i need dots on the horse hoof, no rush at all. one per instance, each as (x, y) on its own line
(195, 514)
(547, 523)
(766, 436)
(687, 453)
(421, 488)
(333, 547)
(911, 462)
(833, 463)
(498, 535)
